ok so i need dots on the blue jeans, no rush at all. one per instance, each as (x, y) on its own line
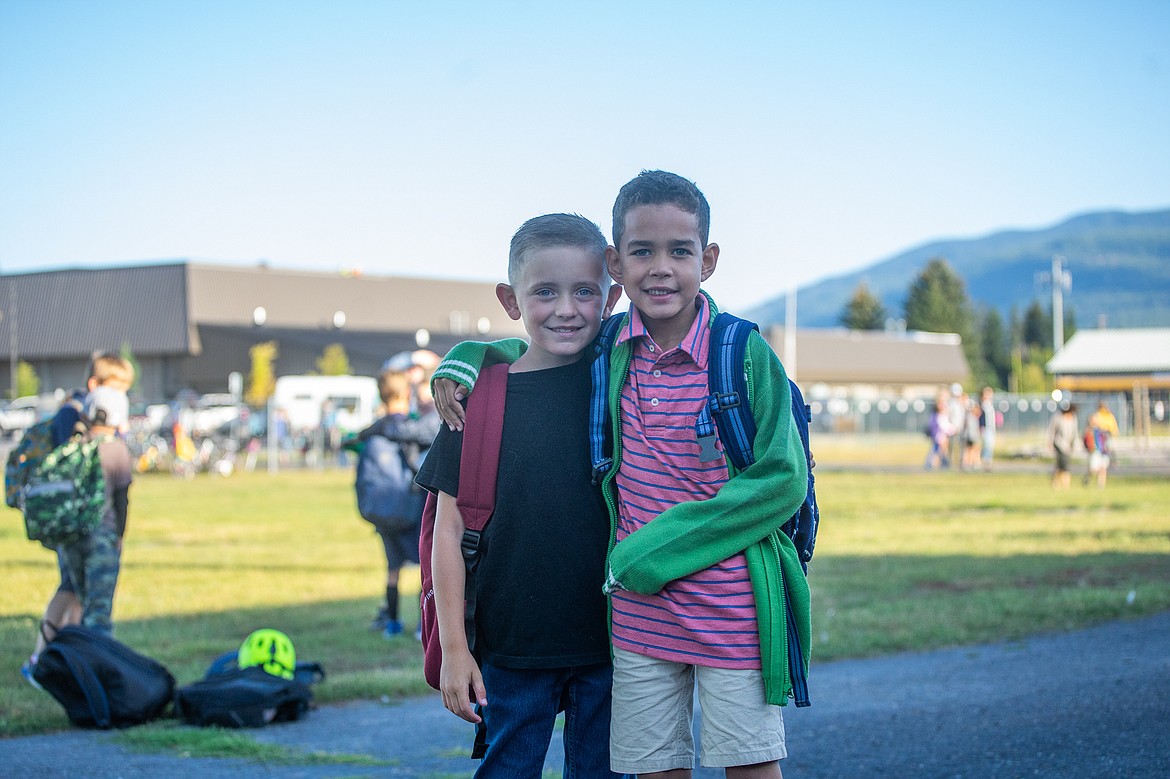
(522, 709)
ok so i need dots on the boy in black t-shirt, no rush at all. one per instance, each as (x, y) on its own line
(541, 632)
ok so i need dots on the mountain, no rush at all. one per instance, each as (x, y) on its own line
(1119, 263)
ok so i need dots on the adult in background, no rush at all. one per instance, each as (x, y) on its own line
(1062, 437)
(988, 423)
(957, 416)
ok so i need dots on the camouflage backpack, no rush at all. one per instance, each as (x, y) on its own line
(24, 457)
(34, 446)
(65, 496)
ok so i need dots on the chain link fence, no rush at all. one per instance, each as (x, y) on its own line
(1015, 413)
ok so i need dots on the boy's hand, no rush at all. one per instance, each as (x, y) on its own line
(461, 683)
(447, 395)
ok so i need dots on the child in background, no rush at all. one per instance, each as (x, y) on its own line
(95, 560)
(64, 608)
(1102, 426)
(408, 424)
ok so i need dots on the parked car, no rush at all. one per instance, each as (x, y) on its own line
(23, 413)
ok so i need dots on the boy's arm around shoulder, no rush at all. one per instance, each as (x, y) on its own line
(463, 362)
(695, 535)
(459, 371)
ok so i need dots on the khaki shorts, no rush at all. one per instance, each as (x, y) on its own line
(653, 708)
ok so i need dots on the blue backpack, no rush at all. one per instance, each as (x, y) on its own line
(727, 409)
(387, 496)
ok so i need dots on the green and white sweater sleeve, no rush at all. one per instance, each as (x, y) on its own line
(463, 362)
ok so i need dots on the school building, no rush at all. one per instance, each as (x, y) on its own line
(189, 325)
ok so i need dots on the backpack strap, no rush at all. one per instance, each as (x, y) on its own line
(91, 688)
(479, 463)
(727, 406)
(479, 459)
(600, 454)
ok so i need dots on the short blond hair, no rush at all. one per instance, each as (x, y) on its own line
(107, 367)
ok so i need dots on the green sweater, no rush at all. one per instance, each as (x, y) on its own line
(745, 515)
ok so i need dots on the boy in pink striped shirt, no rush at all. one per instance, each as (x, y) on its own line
(699, 568)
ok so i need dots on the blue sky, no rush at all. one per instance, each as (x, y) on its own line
(415, 137)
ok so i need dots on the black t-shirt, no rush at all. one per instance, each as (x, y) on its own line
(542, 556)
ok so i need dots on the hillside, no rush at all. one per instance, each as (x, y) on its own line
(1119, 262)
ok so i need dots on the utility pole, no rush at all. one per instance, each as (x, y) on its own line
(1061, 282)
(9, 313)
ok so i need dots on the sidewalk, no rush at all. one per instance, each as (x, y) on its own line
(1092, 703)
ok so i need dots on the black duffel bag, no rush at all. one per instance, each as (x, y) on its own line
(101, 682)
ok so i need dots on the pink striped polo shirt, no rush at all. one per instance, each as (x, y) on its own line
(707, 618)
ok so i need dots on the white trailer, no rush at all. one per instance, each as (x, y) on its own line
(303, 399)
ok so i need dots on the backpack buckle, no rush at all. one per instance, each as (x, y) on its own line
(601, 469)
(722, 401)
(470, 544)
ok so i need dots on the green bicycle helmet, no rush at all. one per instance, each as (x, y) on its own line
(271, 650)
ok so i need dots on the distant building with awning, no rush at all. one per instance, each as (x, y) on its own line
(1113, 360)
(1131, 361)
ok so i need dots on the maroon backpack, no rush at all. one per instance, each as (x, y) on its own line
(478, 463)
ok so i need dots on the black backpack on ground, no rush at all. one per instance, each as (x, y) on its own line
(101, 682)
(234, 697)
(242, 698)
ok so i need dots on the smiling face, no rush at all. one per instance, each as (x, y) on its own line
(661, 263)
(559, 293)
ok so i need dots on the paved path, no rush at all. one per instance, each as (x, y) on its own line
(1093, 703)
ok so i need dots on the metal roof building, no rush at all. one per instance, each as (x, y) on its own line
(189, 325)
(1133, 361)
(1113, 360)
(872, 363)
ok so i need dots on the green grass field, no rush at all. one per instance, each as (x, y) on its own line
(905, 560)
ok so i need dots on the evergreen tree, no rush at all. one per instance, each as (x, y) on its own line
(864, 311)
(995, 342)
(937, 302)
(1037, 328)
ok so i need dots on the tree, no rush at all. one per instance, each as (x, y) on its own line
(262, 377)
(864, 311)
(1037, 328)
(334, 361)
(127, 354)
(937, 302)
(995, 342)
(27, 381)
